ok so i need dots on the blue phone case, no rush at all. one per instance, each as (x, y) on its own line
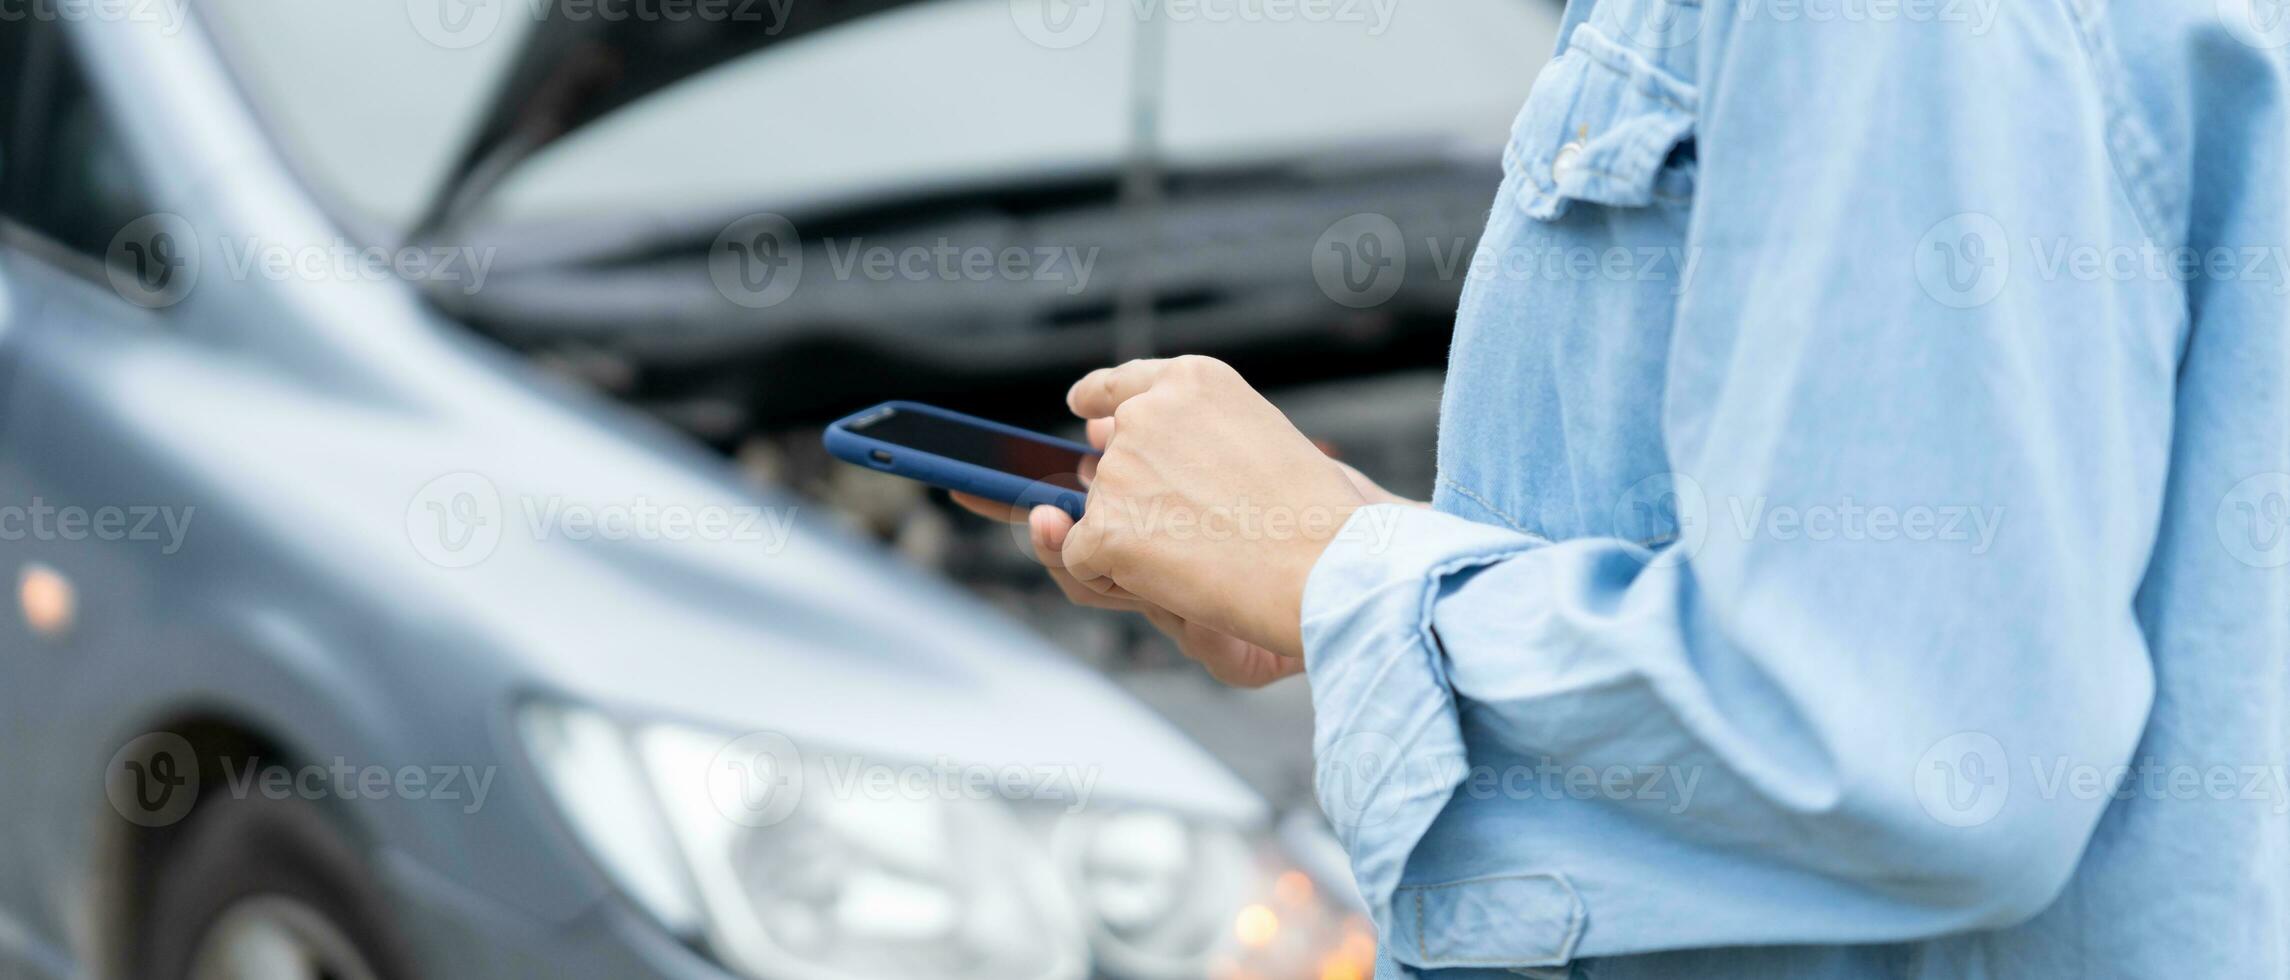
(852, 447)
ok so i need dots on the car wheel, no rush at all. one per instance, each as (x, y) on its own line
(262, 889)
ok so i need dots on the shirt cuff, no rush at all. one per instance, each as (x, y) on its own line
(1387, 741)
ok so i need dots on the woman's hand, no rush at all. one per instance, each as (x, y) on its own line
(1232, 661)
(1205, 515)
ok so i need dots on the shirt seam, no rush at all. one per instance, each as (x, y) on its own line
(1508, 521)
(1632, 66)
(2130, 145)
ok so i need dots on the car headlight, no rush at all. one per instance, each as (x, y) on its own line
(790, 867)
(841, 887)
(1169, 898)
(1161, 892)
(589, 767)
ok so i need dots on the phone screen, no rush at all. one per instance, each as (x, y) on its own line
(977, 446)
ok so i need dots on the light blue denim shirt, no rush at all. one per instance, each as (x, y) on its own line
(1862, 544)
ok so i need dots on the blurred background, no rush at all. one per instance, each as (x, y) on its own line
(424, 338)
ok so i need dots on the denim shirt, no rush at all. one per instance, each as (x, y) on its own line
(1862, 542)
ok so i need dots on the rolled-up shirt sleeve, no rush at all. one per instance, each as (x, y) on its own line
(1759, 732)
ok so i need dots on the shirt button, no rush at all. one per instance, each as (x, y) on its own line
(1569, 156)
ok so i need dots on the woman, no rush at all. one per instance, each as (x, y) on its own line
(1895, 588)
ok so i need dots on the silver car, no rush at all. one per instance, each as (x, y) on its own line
(349, 644)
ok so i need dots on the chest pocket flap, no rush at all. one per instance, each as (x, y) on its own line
(1599, 127)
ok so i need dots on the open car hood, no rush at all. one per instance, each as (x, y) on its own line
(574, 70)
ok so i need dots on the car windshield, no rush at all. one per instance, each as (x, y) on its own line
(370, 110)
(938, 92)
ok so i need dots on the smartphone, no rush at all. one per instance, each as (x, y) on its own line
(954, 451)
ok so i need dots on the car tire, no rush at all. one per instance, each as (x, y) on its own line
(254, 879)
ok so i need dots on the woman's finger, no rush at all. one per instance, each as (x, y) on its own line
(1049, 528)
(1101, 391)
(1118, 600)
